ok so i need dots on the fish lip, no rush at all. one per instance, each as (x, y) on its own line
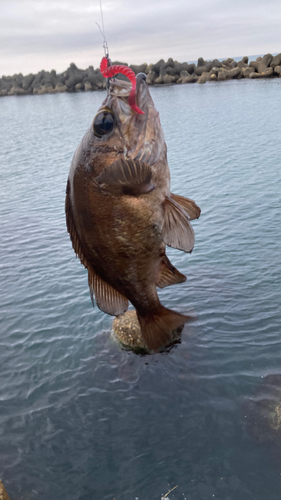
(140, 77)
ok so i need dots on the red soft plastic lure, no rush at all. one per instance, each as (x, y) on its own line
(109, 71)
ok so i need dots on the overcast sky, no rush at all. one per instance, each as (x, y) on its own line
(39, 34)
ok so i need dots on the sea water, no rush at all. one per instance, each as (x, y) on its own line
(82, 419)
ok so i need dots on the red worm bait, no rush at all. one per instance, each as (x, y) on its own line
(108, 71)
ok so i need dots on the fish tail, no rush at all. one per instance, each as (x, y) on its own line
(160, 325)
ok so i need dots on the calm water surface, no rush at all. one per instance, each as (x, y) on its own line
(81, 419)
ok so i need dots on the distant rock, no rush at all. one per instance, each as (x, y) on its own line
(213, 77)
(268, 72)
(79, 87)
(138, 69)
(265, 74)
(27, 81)
(202, 79)
(243, 63)
(156, 67)
(60, 87)
(170, 63)
(255, 75)
(151, 77)
(201, 62)
(233, 73)
(184, 67)
(245, 72)
(169, 79)
(230, 63)
(17, 90)
(88, 86)
(189, 79)
(117, 63)
(261, 64)
(74, 79)
(276, 61)
(277, 70)
(162, 73)
(221, 75)
(216, 63)
(200, 69)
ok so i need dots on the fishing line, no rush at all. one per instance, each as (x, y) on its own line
(102, 17)
(105, 44)
(108, 71)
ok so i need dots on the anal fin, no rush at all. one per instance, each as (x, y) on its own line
(107, 298)
(177, 232)
(188, 205)
(132, 177)
(168, 274)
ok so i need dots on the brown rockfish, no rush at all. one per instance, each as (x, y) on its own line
(120, 213)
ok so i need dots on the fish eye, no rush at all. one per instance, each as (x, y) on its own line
(103, 123)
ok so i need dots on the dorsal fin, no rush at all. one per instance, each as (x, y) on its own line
(168, 274)
(71, 228)
(107, 298)
(133, 176)
(177, 231)
(188, 205)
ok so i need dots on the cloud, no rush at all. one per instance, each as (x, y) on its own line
(48, 34)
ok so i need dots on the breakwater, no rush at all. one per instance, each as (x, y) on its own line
(161, 73)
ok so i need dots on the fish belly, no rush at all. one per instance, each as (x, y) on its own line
(123, 242)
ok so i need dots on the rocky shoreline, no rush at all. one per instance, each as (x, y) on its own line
(161, 73)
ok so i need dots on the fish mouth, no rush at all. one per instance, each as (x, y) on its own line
(143, 96)
(142, 133)
(151, 140)
(122, 89)
(141, 77)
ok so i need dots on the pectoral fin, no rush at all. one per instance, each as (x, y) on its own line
(107, 298)
(133, 176)
(188, 205)
(168, 274)
(177, 231)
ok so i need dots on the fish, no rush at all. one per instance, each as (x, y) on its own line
(120, 213)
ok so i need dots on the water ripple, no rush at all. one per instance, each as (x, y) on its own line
(82, 418)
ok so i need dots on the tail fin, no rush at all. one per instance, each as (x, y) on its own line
(159, 327)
